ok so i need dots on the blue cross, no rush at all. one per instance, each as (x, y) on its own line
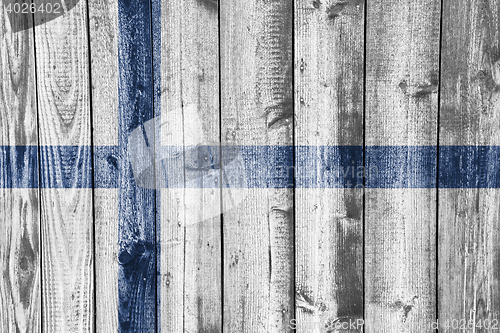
(264, 166)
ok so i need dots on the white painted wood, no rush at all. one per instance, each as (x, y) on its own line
(103, 25)
(66, 214)
(468, 279)
(329, 60)
(190, 242)
(20, 287)
(257, 110)
(402, 71)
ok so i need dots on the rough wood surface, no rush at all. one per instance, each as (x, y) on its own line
(20, 306)
(257, 110)
(468, 278)
(192, 250)
(103, 29)
(106, 259)
(329, 60)
(191, 293)
(401, 110)
(103, 34)
(66, 213)
(137, 280)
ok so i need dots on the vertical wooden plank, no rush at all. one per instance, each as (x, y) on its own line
(329, 63)
(106, 254)
(136, 208)
(66, 195)
(469, 216)
(190, 207)
(103, 34)
(401, 110)
(20, 309)
(257, 112)
(172, 214)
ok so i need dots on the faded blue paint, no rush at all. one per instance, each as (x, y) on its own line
(106, 166)
(257, 167)
(18, 167)
(136, 230)
(469, 167)
(401, 166)
(65, 167)
(328, 166)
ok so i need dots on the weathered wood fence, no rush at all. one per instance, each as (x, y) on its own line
(250, 166)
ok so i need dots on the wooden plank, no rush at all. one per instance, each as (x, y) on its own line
(190, 217)
(103, 30)
(171, 308)
(329, 61)
(137, 281)
(20, 306)
(106, 254)
(103, 24)
(468, 217)
(257, 111)
(468, 259)
(66, 195)
(401, 110)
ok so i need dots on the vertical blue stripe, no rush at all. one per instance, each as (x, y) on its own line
(137, 253)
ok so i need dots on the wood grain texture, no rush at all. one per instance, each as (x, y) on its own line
(103, 24)
(468, 277)
(401, 109)
(191, 294)
(257, 109)
(137, 280)
(468, 218)
(329, 62)
(172, 216)
(20, 255)
(20, 305)
(66, 213)
(106, 259)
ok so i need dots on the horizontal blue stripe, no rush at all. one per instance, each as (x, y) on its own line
(200, 167)
(329, 166)
(260, 166)
(265, 166)
(401, 166)
(18, 167)
(469, 167)
(106, 159)
(65, 167)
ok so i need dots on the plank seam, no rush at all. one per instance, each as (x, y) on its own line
(363, 218)
(40, 233)
(294, 224)
(155, 280)
(437, 163)
(92, 179)
(221, 227)
(183, 123)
